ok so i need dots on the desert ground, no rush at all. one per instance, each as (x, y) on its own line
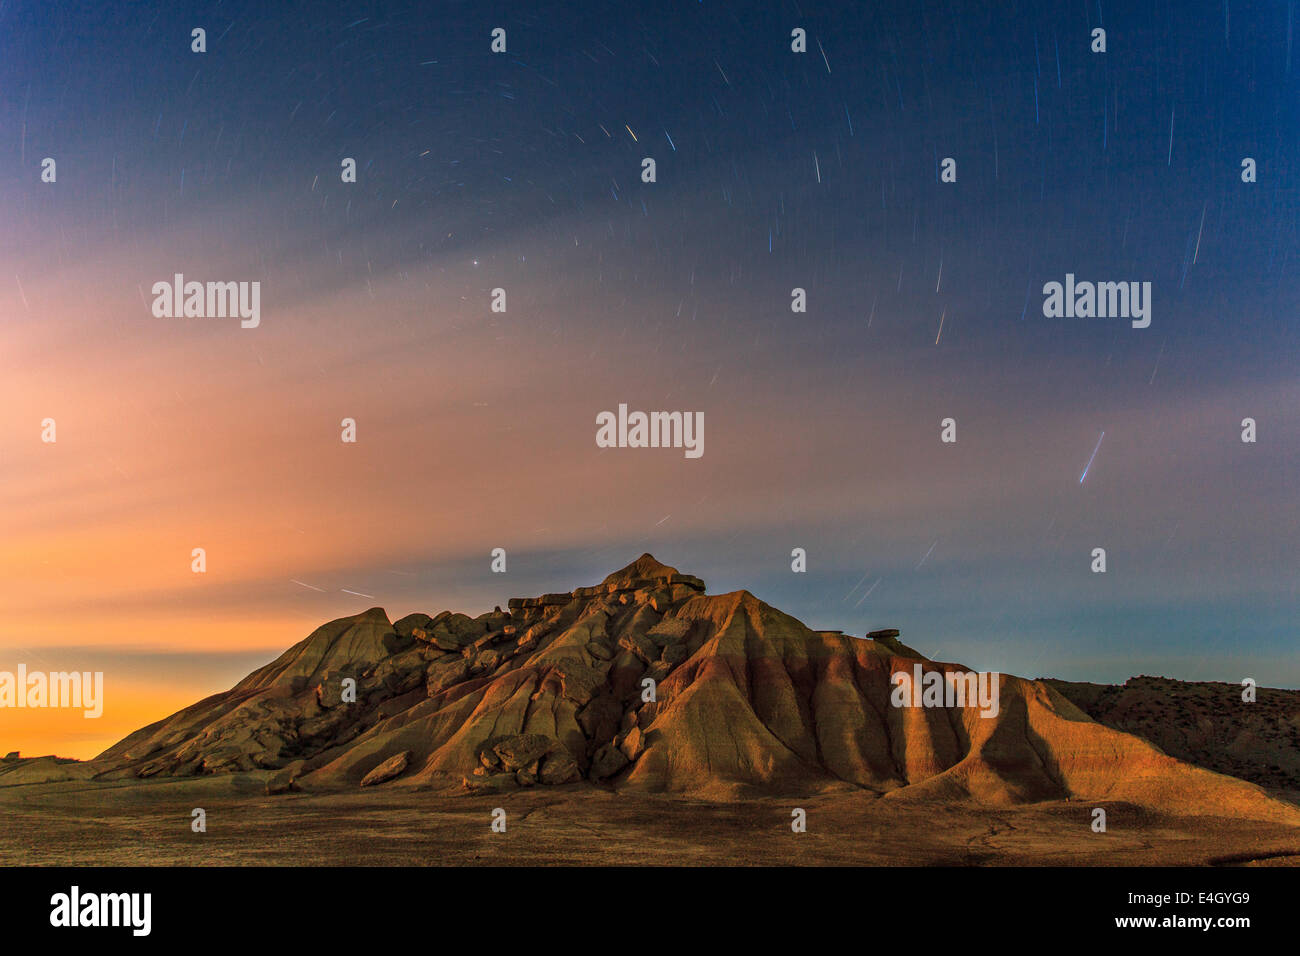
(149, 822)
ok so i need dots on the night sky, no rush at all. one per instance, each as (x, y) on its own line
(522, 171)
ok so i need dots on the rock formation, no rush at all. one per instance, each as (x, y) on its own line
(556, 691)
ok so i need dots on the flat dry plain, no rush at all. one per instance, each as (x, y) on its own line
(148, 823)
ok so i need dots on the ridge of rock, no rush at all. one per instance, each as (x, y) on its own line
(646, 682)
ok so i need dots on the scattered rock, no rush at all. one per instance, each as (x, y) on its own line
(494, 783)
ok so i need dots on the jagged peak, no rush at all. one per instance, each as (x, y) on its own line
(646, 569)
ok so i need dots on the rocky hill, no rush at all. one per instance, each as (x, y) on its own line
(554, 692)
(1205, 723)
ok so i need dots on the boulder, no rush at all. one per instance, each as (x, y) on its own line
(401, 673)
(519, 751)
(633, 744)
(578, 681)
(454, 631)
(390, 768)
(445, 673)
(486, 661)
(490, 638)
(494, 620)
(674, 654)
(286, 780)
(329, 692)
(599, 720)
(607, 761)
(559, 767)
(405, 627)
